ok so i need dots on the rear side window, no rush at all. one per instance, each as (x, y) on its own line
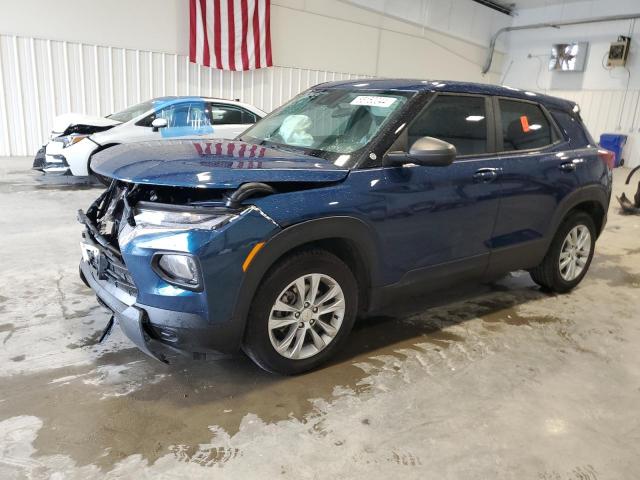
(524, 126)
(573, 127)
(222, 114)
(459, 120)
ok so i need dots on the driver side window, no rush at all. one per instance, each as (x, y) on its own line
(458, 119)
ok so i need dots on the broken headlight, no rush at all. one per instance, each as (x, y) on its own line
(69, 140)
(200, 218)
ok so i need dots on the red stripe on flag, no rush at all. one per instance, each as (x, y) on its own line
(198, 148)
(231, 32)
(216, 34)
(230, 149)
(206, 58)
(218, 149)
(192, 30)
(245, 30)
(243, 147)
(256, 34)
(268, 33)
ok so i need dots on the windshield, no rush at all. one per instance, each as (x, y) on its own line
(328, 123)
(131, 112)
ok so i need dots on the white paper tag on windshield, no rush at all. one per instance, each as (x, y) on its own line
(373, 101)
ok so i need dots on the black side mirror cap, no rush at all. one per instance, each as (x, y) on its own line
(426, 151)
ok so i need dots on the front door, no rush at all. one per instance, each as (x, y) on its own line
(439, 220)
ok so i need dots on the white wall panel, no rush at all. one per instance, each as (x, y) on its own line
(610, 111)
(40, 79)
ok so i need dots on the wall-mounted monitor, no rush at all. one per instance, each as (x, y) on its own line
(568, 57)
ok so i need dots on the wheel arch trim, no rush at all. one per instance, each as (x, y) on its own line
(339, 227)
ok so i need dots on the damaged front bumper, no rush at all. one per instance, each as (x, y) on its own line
(51, 164)
(130, 318)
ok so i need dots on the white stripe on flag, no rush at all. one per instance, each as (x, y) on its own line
(237, 18)
(199, 34)
(251, 51)
(209, 24)
(224, 35)
(262, 51)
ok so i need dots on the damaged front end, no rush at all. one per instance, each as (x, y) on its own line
(166, 262)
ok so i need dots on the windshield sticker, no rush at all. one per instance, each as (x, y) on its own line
(373, 101)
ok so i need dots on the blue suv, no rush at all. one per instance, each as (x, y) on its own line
(350, 196)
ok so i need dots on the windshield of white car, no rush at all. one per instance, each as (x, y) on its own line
(131, 112)
(330, 123)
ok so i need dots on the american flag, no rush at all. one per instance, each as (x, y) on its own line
(230, 34)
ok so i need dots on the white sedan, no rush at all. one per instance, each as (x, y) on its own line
(75, 138)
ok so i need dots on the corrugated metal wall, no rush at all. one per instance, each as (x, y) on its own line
(40, 79)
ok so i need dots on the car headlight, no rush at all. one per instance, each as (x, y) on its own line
(178, 269)
(69, 140)
(182, 219)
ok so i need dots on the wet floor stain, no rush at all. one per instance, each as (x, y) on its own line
(162, 409)
(89, 341)
(8, 328)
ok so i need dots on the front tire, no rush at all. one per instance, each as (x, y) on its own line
(569, 255)
(302, 313)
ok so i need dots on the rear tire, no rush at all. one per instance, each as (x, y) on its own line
(287, 332)
(569, 256)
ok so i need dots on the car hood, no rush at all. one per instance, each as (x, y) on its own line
(62, 122)
(210, 164)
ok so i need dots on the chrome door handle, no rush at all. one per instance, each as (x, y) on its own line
(486, 174)
(567, 167)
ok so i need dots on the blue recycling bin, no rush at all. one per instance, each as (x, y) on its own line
(615, 143)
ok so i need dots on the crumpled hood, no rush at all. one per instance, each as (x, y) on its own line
(209, 164)
(62, 122)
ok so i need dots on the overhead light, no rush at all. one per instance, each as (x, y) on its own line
(474, 118)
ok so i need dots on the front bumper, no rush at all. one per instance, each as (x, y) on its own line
(51, 164)
(130, 318)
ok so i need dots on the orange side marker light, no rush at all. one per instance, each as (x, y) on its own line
(247, 261)
(524, 121)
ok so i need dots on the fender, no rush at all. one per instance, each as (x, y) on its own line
(529, 254)
(591, 193)
(341, 227)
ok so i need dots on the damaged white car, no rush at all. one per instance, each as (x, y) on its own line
(75, 138)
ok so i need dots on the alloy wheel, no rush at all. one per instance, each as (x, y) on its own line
(574, 253)
(306, 316)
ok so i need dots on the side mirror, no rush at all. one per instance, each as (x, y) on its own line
(158, 123)
(426, 151)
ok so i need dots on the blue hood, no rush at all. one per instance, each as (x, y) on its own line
(209, 164)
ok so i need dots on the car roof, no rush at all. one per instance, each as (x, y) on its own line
(412, 85)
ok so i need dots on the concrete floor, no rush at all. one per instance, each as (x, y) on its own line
(504, 382)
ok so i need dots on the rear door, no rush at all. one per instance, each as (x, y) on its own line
(538, 171)
(440, 220)
(229, 121)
